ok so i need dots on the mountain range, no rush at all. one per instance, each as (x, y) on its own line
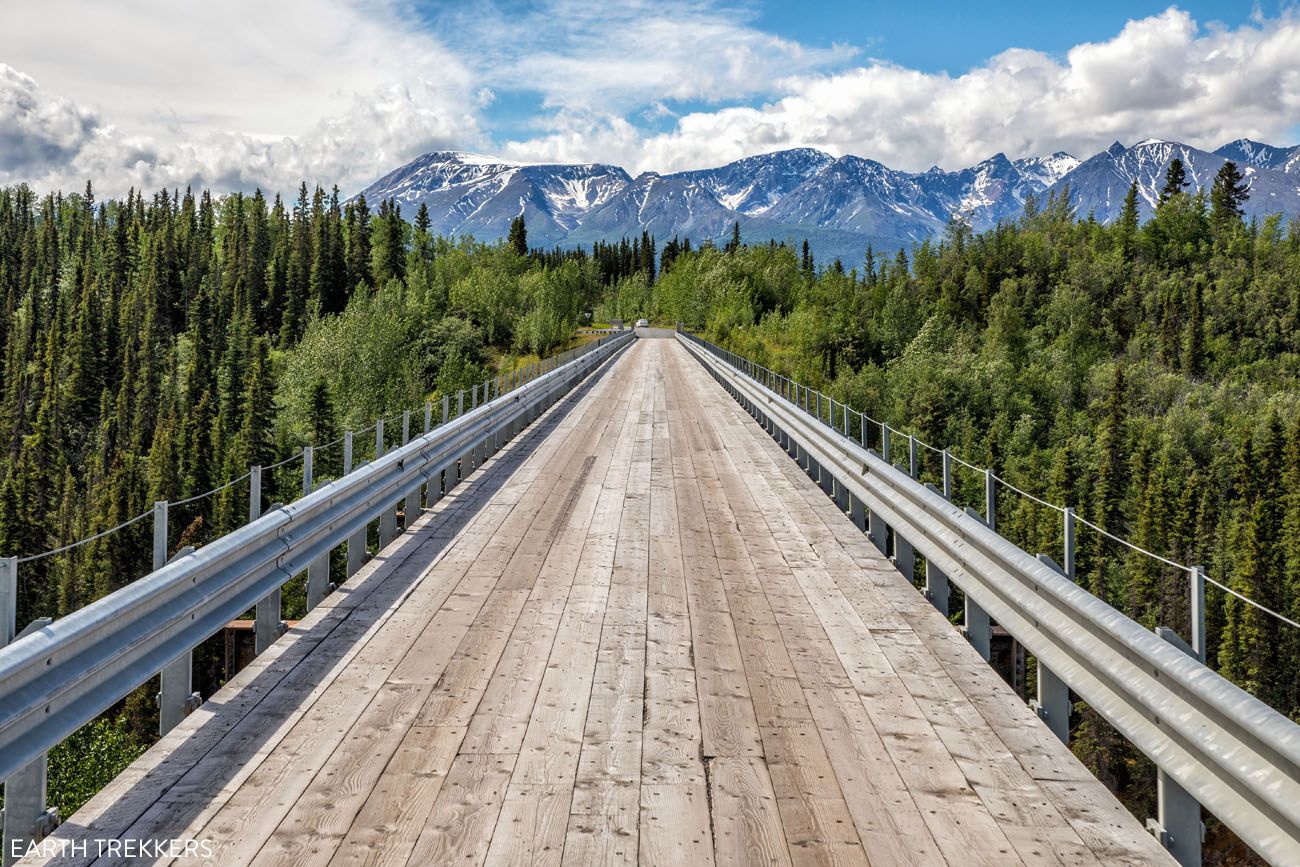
(839, 204)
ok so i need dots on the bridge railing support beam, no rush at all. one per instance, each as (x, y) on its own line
(1053, 702)
(1178, 815)
(267, 625)
(411, 509)
(27, 820)
(978, 628)
(176, 695)
(357, 541)
(937, 589)
(318, 571)
(388, 517)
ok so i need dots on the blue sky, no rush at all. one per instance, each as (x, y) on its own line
(928, 35)
(346, 90)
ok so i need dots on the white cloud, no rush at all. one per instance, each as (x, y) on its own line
(1161, 76)
(615, 57)
(235, 93)
(246, 92)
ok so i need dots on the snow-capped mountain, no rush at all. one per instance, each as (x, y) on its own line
(1245, 152)
(1099, 184)
(470, 194)
(753, 185)
(839, 204)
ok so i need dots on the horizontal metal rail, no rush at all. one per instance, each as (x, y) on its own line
(63, 675)
(1231, 752)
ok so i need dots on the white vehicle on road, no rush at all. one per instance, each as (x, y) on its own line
(643, 323)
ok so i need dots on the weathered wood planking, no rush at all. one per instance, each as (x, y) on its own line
(640, 634)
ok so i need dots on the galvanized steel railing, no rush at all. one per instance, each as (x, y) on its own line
(57, 676)
(1214, 744)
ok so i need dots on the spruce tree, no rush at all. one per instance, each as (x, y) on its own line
(1229, 193)
(518, 238)
(1175, 180)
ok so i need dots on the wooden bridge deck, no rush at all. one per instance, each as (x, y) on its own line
(639, 633)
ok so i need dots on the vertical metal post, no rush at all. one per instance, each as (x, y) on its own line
(1053, 702)
(904, 557)
(446, 407)
(877, 531)
(267, 625)
(357, 541)
(884, 443)
(411, 509)
(947, 475)
(26, 819)
(990, 500)
(460, 403)
(387, 517)
(428, 416)
(913, 467)
(8, 599)
(1068, 538)
(978, 629)
(175, 679)
(1178, 815)
(1196, 585)
(159, 534)
(473, 401)
(318, 572)
(936, 587)
(863, 432)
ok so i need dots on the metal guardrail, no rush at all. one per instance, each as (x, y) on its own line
(1214, 744)
(58, 677)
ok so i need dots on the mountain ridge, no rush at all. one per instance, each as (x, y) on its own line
(840, 204)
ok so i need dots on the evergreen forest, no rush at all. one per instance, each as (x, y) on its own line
(1145, 373)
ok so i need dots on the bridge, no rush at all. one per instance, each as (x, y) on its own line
(637, 631)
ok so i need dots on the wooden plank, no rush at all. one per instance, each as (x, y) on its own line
(532, 826)
(747, 825)
(459, 828)
(391, 820)
(674, 824)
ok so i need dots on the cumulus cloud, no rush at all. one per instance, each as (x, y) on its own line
(36, 131)
(231, 94)
(1161, 76)
(244, 92)
(615, 57)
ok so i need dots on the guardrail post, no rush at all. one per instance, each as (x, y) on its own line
(979, 632)
(26, 819)
(904, 557)
(176, 697)
(913, 467)
(412, 507)
(936, 587)
(357, 541)
(318, 572)
(267, 625)
(947, 474)
(387, 517)
(1178, 815)
(8, 599)
(439, 485)
(877, 531)
(1067, 518)
(936, 580)
(1196, 586)
(884, 443)
(990, 500)
(1053, 702)
(175, 677)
